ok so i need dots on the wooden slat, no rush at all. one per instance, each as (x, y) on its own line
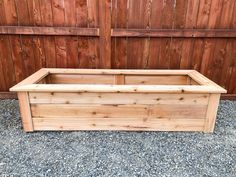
(118, 98)
(37, 76)
(116, 111)
(155, 43)
(52, 31)
(86, 52)
(117, 88)
(80, 79)
(26, 42)
(119, 45)
(190, 33)
(127, 124)
(118, 71)
(25, 111)
(204, 80)
(58, 14)
(156, 80)
(93, 43)
(48, 41)
(105, 33)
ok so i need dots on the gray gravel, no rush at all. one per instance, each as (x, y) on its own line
(117, 153)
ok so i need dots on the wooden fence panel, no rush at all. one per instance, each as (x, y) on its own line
(145, 34)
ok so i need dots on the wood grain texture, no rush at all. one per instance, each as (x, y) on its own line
(146, 34)
(105, 33)
(211, 113)
(127, 124)
(25, 111)
(118, 98)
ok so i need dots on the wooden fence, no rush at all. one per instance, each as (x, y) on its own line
(147, 34)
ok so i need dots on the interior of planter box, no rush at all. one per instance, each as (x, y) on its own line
(118, 79)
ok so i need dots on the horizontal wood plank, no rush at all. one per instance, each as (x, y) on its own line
(80, 79)
(116, 88)
(127, 124)
(118, 98)
(119, 71)
(174, 33)
(156, 80)
(111, 111)
(52, 31)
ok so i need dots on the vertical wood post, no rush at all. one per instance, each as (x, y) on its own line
(213, 104)
(105, 33)
(25, 111)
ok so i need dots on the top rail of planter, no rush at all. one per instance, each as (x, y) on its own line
(31, 83)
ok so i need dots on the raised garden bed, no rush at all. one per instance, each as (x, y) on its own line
(136, 100)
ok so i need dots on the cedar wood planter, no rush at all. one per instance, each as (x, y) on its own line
(103, 99)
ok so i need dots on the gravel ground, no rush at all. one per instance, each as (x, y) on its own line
(117, 153)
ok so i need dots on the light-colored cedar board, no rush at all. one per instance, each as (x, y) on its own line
(108, 79)
(37, 76)
(127, 124)
(118, 71)
(156, 80)
(114, 111)
(80, 79)
(116, 88)
(117, 98)
(198, 77)
(211, 113)
(25, 111)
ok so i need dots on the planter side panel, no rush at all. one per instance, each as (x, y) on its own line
(119, 111)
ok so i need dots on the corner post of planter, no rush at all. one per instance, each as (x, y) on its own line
(213, 104)
(26, 117)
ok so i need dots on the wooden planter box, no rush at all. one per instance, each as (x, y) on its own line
(137, 100)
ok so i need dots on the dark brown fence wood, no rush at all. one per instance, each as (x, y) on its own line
(142, 34)
(52, 31)
(190, 33)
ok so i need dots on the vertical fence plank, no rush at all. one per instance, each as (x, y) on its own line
(155, 43)
(219, 59)
(38, 44)
(214, 17)
(202, 22)
(167, 23)
(190, 23)
(71, 41)
(82, 21)
(58, 11)
(7, 68)
(138, 49)
(14, 41)
(176, 43)
(93, 43)
(26, 42)
(48, 41)
(105, 33)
